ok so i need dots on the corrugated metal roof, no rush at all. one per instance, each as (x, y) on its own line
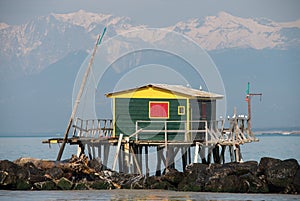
(179, 89)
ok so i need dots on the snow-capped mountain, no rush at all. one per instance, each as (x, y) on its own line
(47, 39)
(227, 31)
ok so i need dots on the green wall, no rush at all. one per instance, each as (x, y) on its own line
(128, 111)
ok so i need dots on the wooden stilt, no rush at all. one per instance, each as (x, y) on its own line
(237, 151)
(189, 155)
(93, 151)
(80, 149)
(147, 161)
(196, 152)
(231, 153)
(240, 154)
(99, 151)
(135, 161)
(126, 155)
(89, 151)
(105, 155)
(140, 156)
(133, 151)
(183, 157)
(158, 160)
(216, 154)
(171, 157)
(117, 152)
(222, 159)
(120, 159)
(209, 153)
(202, 155)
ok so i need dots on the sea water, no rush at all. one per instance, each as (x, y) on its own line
(11, 148)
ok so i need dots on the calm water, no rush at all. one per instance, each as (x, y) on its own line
(137, 195)
(277, 146)
(12, 148)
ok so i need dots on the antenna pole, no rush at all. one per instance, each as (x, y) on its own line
(248, 99)
(82, 86)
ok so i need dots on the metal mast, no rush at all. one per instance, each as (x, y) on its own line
(82, 86)
(248, 99)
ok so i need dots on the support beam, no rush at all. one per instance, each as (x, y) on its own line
(147, 161)
(117, 152)
(183, 157)
(196, 152)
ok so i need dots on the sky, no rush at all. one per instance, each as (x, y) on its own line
(155, 13)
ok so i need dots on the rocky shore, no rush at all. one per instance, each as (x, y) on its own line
(268, 176)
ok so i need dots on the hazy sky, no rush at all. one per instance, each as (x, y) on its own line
(155, 13)
(160, 13)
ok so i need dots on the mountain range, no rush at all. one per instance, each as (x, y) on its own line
(40, 60)
(33, 46)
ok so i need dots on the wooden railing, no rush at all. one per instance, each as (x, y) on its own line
(202, 130)
(92, 128)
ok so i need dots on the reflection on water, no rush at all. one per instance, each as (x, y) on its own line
(137, 195)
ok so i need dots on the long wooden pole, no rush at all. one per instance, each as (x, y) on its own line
(86, 74)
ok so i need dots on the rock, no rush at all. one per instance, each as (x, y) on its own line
(54, 173)
(155, 182)
(280, 177)
(33, 169)
(41, 164)
(81, 186)
(135, 182)
(7, 180)
(195, 176)
(228, 183)
(266, 163)
(64, 184)
(100, 184)
(173, 176)
(243, 168)
(253, 184)
(8, 166)
(23, 185)
(45, 185)
(96, 164)
(296, 181)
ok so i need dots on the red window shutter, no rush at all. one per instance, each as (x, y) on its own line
(158, 109)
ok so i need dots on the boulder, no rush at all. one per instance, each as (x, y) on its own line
(45, 185)
(23, 185)
(100, 185)
(7, 180)
(81, 186)
(135, 182)
(266, 163)
(40, 164)
(296, 181)
(96, 164)
(54, 173)
(228, 183)
(243, 168)
(281, 176)
(173, 176)
(195, 177)
(64, 184)
(253, 184)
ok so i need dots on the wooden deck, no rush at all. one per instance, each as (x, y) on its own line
(95, 138)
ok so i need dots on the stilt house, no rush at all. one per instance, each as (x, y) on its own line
(161, 112)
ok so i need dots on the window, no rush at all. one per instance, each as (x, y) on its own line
(159, 110)
(181, 110)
